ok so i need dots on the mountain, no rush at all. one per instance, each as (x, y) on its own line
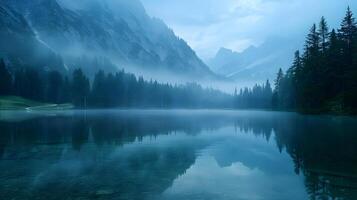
(255, 64)
(19, 44)
(104, 34)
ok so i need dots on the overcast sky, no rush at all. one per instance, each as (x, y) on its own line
(208, 25)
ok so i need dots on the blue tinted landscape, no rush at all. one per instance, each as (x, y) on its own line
(178, 100)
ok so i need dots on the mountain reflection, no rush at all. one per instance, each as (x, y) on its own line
(140, 154)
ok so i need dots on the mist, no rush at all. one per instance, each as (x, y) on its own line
(238, 24)
(178, 99)
(235, 47)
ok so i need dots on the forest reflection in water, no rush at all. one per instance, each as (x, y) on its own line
(177, 154)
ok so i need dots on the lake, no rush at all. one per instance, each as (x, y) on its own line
(176, 155)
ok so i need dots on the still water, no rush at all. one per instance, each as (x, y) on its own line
(177, 155)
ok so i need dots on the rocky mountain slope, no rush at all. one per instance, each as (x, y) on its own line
(19, 45)
(97, 34)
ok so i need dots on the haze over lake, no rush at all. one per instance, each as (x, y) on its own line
(178, 100)
(176, 154)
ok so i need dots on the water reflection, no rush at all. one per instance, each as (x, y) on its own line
(177, 155)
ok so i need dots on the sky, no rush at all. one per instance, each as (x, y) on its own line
(208, 25)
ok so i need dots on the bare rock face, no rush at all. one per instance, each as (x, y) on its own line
(20, 46)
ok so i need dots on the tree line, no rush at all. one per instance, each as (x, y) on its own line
(257, 97)
(323, 78)
(107, 90)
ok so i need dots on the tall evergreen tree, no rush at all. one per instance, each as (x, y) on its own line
(277, 91)
(324, 35)
(292, 82)
(5, 79)
(267, 89)
(347, 34)
(334, 67)
(66, 94)
(279, 80)
(80, 88)
(268, 94)
(296, 68)
(33, 85)
(348, 37)
(312, 43)
(20, 83)
(54, 88)
(98, 95)
(310, 83)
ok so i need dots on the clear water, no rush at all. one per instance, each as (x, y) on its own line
(177, 155)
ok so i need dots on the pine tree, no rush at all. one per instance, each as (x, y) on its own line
(312, 43)
(276, 100)
(54, 87)
(66, 93)
(268, 94)
(33, 85)
(323, 35)
(267, 89)
(334, 73)
(347, 34)
(296, 68)
(322, 81)
(20, 83)
(98, 96)
(310, 84)
(292, 82)
(80, 89)
(5, 79)
(278, 80)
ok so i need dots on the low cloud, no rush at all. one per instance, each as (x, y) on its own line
(237, 24)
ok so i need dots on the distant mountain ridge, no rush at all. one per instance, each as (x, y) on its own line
(110, 34)
(256, 64)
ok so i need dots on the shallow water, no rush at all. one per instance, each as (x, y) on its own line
(177, 154)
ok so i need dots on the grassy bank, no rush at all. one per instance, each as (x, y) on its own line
(19, 103)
